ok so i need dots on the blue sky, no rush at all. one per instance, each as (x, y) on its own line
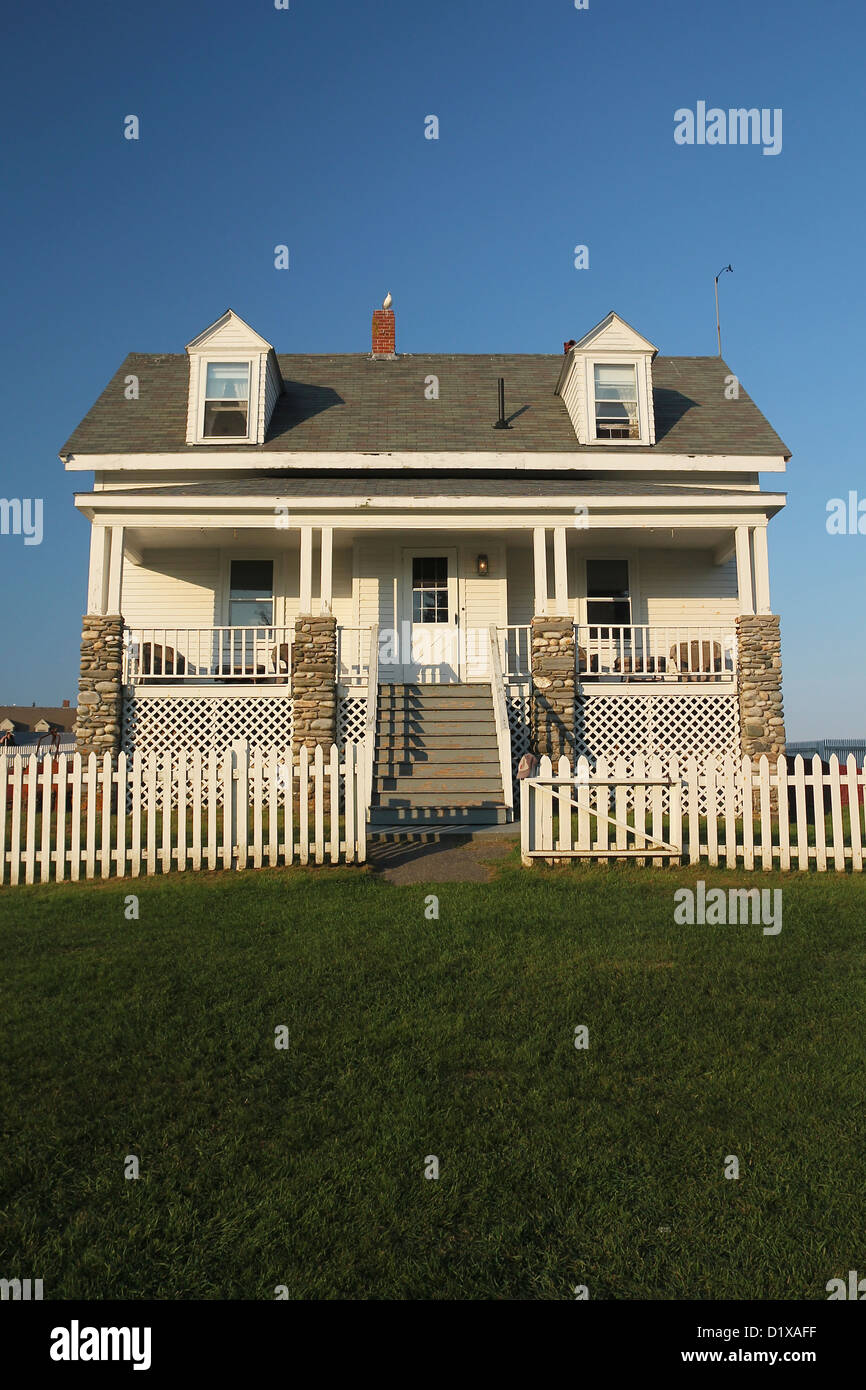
(306, 127)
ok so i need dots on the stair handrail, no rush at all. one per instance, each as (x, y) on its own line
(372, 711)
(500, 715)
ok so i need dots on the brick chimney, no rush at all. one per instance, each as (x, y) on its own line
(384, 331)
(66, 704)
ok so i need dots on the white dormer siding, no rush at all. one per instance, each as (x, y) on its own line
(612, 343)
(231, 341)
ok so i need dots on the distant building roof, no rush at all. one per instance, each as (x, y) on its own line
(36, 719)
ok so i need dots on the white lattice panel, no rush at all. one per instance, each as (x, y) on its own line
(517, 708)
(163, 724)
(667, 725)
(663, 725)
(351, 719)
(166, 724)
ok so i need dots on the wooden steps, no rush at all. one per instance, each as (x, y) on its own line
(437, 757)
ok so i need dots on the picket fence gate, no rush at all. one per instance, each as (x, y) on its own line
(73, 817)
(754, 812)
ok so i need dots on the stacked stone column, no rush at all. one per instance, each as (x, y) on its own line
(100, 696)
(553, 687)
(759, 685)
(314, 682)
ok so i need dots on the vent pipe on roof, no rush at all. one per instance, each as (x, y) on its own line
(501, 423)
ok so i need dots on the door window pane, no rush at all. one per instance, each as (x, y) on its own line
(430, 589)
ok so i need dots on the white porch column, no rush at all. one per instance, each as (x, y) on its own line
(560, 572)
(539, 544)
(114, 596)
(762, 570)
(744, 570)
(97, 575)
(306, 589)
(326, 585)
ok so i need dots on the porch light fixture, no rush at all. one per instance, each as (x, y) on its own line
(481, 564)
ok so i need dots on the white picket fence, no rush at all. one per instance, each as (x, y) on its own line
(749, 813)
(73, 817)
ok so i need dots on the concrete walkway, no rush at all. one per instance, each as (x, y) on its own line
(435, 857)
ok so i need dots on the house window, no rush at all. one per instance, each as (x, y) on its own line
(226, 400)
(608, 599)
(616, 412)
(251, 593)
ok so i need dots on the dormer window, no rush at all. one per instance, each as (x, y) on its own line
(226, 404)
(616, 408)
(234, 385)
(606, 384)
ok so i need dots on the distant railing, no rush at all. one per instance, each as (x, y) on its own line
(192, 655)
(827, 747)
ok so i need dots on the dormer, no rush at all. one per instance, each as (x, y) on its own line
(606, 384)
(234, 382)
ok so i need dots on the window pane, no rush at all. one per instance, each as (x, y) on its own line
(620, 380)
(616, 413)
(252, 579)
(251, 612)
(227, 381)
(429, 571)
(616, 611)
(430, 589)
(607, 579)
(224, 418)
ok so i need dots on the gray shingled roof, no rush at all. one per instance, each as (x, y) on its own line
(353, 404)
(299, 485)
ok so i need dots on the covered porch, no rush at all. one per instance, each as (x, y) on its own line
(302, 609)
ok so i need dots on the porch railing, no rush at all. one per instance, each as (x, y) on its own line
(192, 655)
(642, 652)
(353, 655)
(648, 652)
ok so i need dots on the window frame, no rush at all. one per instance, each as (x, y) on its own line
(637, 361)
(630, 562)
(227, 441)
(246, 560)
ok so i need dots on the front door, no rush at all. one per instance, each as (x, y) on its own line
(430, 628)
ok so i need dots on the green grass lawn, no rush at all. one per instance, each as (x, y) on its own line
(411, 1037)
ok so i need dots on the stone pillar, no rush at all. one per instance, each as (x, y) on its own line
(100, 696)
(553, 687)
(314, 682)
(759, 685)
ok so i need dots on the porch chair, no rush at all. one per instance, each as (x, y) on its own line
(694, 660)
(157, 660)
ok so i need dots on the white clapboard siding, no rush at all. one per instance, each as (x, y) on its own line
(749, 814)
(69, 817)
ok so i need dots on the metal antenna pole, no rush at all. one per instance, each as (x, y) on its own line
(718, 322)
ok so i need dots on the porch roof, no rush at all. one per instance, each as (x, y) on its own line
(368, 496)
(293, 485)
(349, 403)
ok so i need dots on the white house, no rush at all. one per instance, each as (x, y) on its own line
(453, 557)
